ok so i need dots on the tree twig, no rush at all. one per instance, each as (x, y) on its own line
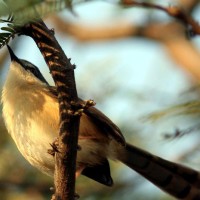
(173, 11)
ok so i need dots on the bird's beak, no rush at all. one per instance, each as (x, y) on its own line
(13, 57)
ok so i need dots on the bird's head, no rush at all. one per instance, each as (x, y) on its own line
(24, 70)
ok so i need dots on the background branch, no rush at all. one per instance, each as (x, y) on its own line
(173, 35)
(173, 11)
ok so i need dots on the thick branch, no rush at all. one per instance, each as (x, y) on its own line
(84, 32)
(63, 74)
(185, 54)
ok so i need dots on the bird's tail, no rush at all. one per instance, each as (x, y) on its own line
(175, 179)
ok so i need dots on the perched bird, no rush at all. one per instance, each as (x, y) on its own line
(31, 115)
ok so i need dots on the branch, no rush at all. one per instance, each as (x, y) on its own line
(173, 11)
(185, 55)
(171, 35)
(84, 33)
(63, 74)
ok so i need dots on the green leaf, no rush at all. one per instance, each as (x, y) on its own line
(5, 37)
(9, 29)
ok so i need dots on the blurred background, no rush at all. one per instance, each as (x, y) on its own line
(142, 69)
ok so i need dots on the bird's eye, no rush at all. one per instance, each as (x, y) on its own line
(32, 70)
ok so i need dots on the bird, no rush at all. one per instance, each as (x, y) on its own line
(31, 115)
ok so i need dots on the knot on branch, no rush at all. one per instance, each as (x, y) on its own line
(77, 108)
(175, 11)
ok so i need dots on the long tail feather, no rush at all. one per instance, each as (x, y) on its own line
(177, 180)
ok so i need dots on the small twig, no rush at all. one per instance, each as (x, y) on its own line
(181, 132)
(173, 11)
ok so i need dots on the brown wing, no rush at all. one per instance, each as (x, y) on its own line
(105, 124)
(102, 121)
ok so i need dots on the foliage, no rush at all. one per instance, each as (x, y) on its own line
(23, 11)
(9, 31)
(189, 108)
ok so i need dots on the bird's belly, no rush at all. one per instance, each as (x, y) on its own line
(35, 148)
(34, 132)
(90, 153)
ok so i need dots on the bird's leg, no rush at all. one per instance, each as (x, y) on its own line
(54, 148)
(77, 108)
